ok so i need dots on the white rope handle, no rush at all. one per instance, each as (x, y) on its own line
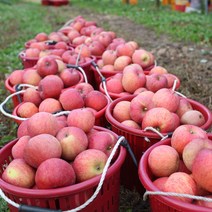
(96, 191)
(103, 82)
(174, 194)
(155, 131)
(83, 73)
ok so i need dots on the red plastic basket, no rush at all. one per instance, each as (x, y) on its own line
(69, 197)
(58, 3)
(180, 8)
(27, 62)
(139, 145)
(162, 203)
(45, 2)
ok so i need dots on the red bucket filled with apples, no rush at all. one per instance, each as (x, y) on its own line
(131, 116)
(187, 170)
(133, 80)
(67, 189)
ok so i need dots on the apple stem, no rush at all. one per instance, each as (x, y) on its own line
(174, 194)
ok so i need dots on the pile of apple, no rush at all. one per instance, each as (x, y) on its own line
(51, 97)
(164, 110)
(184, 165)
(133, 80)
(48, 155)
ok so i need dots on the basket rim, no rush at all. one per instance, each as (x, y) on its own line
(63, 191)
(145, 180)
(137, 132)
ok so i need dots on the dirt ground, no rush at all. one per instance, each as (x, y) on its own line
(190, 62)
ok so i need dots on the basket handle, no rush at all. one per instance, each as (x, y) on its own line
(103, 79)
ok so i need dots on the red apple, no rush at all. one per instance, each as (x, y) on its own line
(96, 100)
(202, 169)
(166, 98)
(50, 105)
(47, 66)
(131, 123)
(18, 148)
(16, 77)
(19, 173)
(31, 76)
(109, 57)
(140, 104)
(182, 183)
(42, 123)
(46, 88)
(54, 173)
(193, 117)
(125, 49)
(82, 118)
(121, 62)
(26, 109)
(114, 85)
(183, 134)
(73, 140)
(160, 182)
(22, 129)
(158, 70)
(32, 53)
(40, 148)
(163, 160)
(184, 106)
(89, 163)
(103, 141)
(32, 95)
(121, 111)
(73, 95)
(84, 88)
(42, 36)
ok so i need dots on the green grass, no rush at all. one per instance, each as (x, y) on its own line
(180, 26)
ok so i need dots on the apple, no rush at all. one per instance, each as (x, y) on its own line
(26, 109)
(202, 169)
(19, 173)
(142, 57)
(73, 140)
(72, 34)
(31, 53)
(125, 49)
(40, 148)
(96, 100)
(160, 118)
(105, 38)
(103, 141)
(133, 44)
(47, 66)
(50, 105)
(16, 77)
(18, 149)
(140, 104)
(121, 62)
(96, 48)
(67, 55)
(42, 123)
(121, 111)
(160, 182)
(171, 80)
(89, 163)
(193, 117)
(22, 129)
(166, 98)
(181, 183)
(83, 50)
(184, 106)
(42, 36)
(38, 45)
(158, 70)
(183, 134)
(131, 123)
(154, 82)
(46, 88)
(163, 160)
(84, 88)
(114, 85)
(73, 95)
(54, 173)
(31, 76)
(70, 77)
(32, 95)
(139, 90)
(107, 68)
(132, 79)
(61, 64)
(191, 150)
(61, 45)
(109, 57)
(55, 36)
(82, 118)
